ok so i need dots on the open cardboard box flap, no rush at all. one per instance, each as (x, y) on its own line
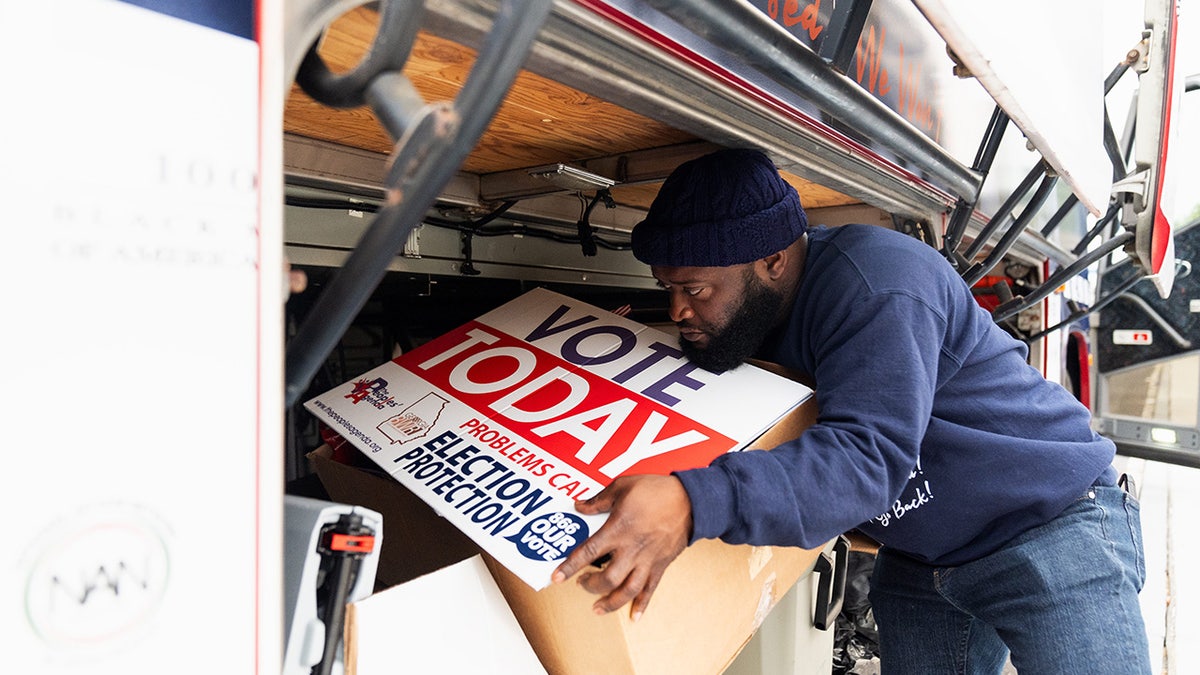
(412, 628)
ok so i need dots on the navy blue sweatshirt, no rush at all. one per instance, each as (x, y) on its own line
(934, 436)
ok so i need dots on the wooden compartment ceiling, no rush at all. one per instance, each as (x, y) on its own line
(540, 122)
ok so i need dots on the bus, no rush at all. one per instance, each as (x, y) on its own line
(219, 209)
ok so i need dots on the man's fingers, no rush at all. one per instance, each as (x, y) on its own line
(642, 601)
(601, 503)
(592, 549)
(620, 582)
(608, 578)
(625, 587)
(648, 524)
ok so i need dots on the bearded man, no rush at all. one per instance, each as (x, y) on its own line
(1013, 536)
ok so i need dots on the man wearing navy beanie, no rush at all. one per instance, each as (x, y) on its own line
(1003, 532)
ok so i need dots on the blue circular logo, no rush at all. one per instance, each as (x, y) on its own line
(550, 536)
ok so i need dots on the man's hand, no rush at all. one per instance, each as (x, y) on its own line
(649, 525)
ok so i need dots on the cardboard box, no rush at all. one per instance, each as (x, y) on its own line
(710, 601)
(708, 605)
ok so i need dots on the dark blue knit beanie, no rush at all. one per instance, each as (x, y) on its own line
(725, 208)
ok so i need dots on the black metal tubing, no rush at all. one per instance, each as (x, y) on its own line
(1006, 242)
(1055, 220)
(1115, 76)
(1113, 210)
(959, 217)
(752, 36)
(1005, 211)
(396, 102)
(986, 153)
(840, 53)
(1111, 146)
(1114, 154)
(398, 24)
(963, 208)
(424, 161)
(1100, 304)
(1113, 149)
(1156, 453)
(1020, 303)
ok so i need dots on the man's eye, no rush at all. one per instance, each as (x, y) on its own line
(693, 291)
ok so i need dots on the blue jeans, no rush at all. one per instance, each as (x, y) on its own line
(1063, 597)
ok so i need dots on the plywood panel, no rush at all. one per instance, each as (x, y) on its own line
(540, 121)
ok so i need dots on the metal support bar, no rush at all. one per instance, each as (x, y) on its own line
(1010, 236)
(1113, 210)
(1069, 203)
(963, 208)
(1021, 303)
(1155, 453)
(839, 53)
(395, 101)
(1005, 211)
(1127, 134)
(991, 140)
(1099, 305)
(1115, 76)
(425, 159)
(1113, 149)
(752, 36)
(959, 217)
(398, 24)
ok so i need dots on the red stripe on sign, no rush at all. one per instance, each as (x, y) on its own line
(593, 424)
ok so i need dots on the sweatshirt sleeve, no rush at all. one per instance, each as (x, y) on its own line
(875, 364)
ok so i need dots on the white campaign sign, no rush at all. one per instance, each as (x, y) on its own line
(502, 423)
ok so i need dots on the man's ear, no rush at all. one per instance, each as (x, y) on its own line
(775, 264)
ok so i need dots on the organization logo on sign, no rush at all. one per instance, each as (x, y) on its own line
(374, 392)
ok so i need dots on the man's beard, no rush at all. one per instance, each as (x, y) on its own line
(743, 334)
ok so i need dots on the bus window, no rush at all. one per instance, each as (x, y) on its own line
(1148, 360)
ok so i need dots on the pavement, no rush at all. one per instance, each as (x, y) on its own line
(1170, 499)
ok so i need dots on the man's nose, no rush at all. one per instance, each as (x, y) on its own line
(680, 309)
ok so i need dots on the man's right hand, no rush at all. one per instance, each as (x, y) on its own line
(649, 525)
